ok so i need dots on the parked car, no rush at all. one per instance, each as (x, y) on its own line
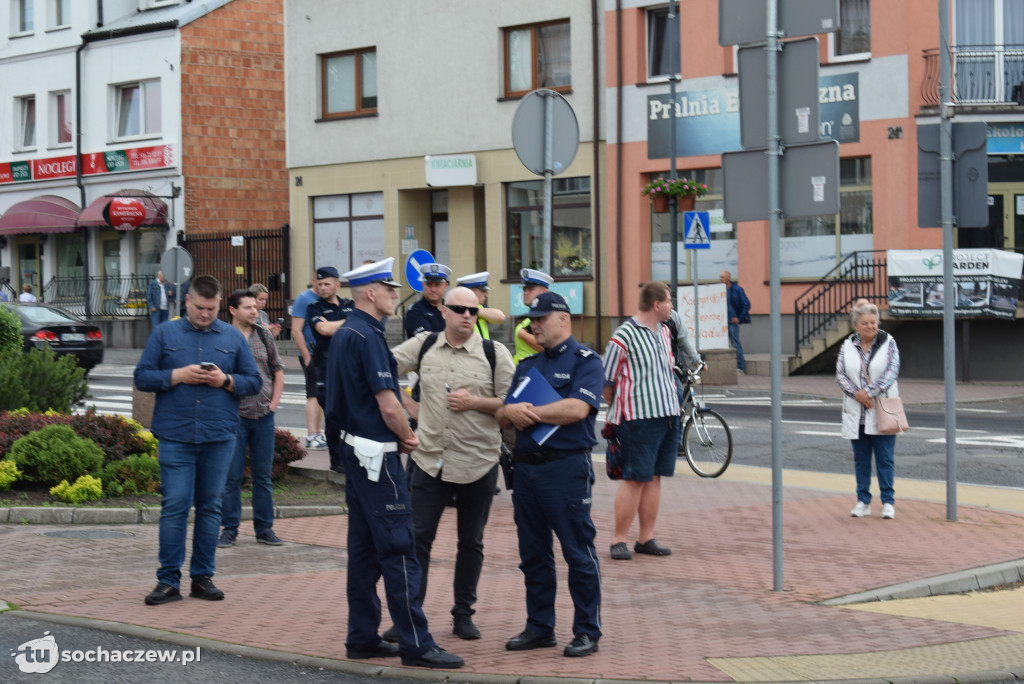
(65, 333)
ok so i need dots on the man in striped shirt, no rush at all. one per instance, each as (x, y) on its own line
(641, 392)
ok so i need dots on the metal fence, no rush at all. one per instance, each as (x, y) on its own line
(99, 296)
(982, 74)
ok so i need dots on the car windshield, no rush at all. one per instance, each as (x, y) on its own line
(44, 314)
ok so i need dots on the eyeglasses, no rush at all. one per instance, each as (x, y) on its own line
(458, 309)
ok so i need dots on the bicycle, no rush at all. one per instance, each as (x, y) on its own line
(706, 441)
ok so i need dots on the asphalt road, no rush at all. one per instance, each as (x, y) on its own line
(66, 654)
(990, 442)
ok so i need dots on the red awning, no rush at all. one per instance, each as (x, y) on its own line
(43, 214)
(156, 209)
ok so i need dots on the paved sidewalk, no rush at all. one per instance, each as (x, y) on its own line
(708, 613)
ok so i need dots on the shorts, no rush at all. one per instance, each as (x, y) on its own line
(650, 447)
(310, 373)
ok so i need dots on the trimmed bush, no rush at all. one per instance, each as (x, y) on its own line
(86, 488)
(10, 333)
(56, 453)
(133, 476)
(286, 450)
(118, 437)
(40, 381)
(9, 474)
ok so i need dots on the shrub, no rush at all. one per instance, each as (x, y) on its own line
(133, 476)
(55, 453)
(41, 380)
(286, 450)
(16, 424)
(9, 474)
(86, 488)
(118, 437)
(10, 333)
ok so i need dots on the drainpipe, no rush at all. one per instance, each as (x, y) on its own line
(78, 167)
(618, 153)
(596, 185)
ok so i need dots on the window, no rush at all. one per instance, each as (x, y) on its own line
(721, 256)
(348, 229)
(853, 40)
(811, 247)
(26, 134)
(659, 49)
(571, 250)
(153, 4)
(60, 13)
(60, 117)
(26, 19)
(537, 56)
(138, 109)
(989, 52)
(349, 84)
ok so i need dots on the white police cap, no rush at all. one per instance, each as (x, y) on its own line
(377, 272)
(435, 272)
(533, 277)
(476, 281)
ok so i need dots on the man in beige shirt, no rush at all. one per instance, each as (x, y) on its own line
(459, 442)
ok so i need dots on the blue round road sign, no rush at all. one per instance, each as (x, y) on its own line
(412, 268)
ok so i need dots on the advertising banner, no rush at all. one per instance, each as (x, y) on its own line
(115, 161)
(986, 282)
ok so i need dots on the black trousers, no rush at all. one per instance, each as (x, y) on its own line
(430, 496)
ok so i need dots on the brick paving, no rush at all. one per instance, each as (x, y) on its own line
(706, 613)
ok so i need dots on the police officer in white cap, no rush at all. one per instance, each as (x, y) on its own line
(425, 314)
(364, 398)
(534, 283)
(477, 282)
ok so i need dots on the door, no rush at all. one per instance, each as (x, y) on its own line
(1005, 220)
(28, 253)
(110, 259)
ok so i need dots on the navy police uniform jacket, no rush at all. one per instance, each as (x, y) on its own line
(423, 316)
(321, 308)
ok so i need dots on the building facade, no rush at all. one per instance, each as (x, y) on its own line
(167, 109)
(878, 81)
(400, 138)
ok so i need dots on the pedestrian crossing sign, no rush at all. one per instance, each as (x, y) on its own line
(696, 225)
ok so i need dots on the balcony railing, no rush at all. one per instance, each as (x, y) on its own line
(108, 296)
(982, 74)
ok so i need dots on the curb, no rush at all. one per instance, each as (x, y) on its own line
(70, 515)
(940, 585)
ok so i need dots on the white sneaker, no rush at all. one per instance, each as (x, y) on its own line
(862, 509)
(888, 511)
(315, 442)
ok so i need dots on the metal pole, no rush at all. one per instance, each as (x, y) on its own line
(948, 313)
(549, 109)
(673, 209)
(774, 157)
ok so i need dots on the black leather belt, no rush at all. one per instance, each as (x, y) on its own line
(545, 455)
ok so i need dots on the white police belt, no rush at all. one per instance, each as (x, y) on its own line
(370, 453)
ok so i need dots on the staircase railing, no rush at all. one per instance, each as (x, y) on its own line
(109, 296)
(862, 274)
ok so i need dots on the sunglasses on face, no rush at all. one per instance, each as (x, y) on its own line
(458, 309)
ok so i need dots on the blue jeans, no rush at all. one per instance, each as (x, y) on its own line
(734, 340)
(157, 317)
(884, 447)
(190, 471)
(258, 437)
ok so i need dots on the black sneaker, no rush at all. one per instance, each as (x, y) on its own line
(581, 645)
(435, 657)
(269, 538)
(164, 593)
(463, 627)
(202, 587)
(227, 538)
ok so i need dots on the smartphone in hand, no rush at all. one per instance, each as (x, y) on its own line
(207, 366)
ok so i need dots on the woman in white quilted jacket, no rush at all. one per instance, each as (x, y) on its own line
(867, 367)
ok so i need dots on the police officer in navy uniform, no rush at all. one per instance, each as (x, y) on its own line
(553, 482)
(325, 315)
(365, 402)
(425, 314)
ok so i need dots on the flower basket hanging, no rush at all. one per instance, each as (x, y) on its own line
(686, 203)
(659, 190)
(659, 203)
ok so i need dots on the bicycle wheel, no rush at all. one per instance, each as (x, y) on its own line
(706, 443)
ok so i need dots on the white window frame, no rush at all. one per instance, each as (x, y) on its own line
(20, 18)
(54, 129)
(23, 131)
(144, 93)
(854, 57)
(154, 4)
(60, 14)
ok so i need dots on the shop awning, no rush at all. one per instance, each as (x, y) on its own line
(43, 214)
(94, 215)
